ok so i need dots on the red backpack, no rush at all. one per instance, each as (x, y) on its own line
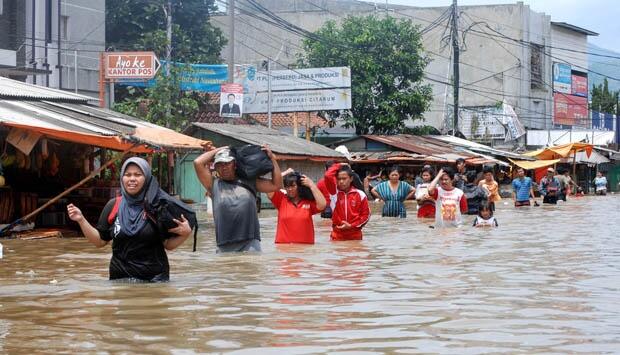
(114, 211)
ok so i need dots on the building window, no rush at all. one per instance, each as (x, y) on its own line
(64, 27)
(1, 7)
(536, 66)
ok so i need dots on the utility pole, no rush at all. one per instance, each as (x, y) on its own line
(168, 11)
(59, 64)
(269, 85)
(33, 59)
(231, 41)
(455, 63)
(269, 93)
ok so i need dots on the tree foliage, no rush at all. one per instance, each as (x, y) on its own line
(141, 25)
(387, 67)
(604, 100)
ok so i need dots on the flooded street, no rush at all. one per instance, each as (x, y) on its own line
(547, 280)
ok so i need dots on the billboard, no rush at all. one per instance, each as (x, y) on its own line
(130, 65)
(231, 100)
(301, 100)
(491, 122)
(200, 77)
(570, 110)
(562, 78)
(300, 79)
(579, 85)
(479, 122)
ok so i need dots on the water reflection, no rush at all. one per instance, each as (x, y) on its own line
(545, 281)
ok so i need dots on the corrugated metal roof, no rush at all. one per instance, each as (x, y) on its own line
(90, 120)
(418, 144)
(16, 90)
(279, 142)
(477, 147)
(405, 157)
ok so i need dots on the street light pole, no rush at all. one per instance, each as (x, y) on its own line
(231, 41)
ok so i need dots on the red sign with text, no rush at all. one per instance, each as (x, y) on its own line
(570, 110)
(580, 85)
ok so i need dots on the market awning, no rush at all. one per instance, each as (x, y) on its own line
(561, 151)
(110, 142)
(581, 158)
(86, 124)
(536, 164)
(166, 138)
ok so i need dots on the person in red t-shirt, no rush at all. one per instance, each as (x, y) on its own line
(295, 209)
(349, 205)
(451, 202)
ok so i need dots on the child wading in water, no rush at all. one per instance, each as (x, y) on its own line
(485, 217)
(451, 201)
(426, 204)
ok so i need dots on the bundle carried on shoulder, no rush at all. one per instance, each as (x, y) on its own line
(251, 161)
(164, 208)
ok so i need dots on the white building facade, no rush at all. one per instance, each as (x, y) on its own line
(506, 51)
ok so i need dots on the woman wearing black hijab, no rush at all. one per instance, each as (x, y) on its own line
(138, 248)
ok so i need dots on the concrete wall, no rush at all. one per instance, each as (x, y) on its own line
(565, 38)
(12, 26)
(85, 32)
(496, 68)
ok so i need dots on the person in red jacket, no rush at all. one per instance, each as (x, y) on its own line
(350, 211)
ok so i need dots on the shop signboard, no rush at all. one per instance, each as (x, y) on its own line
(300, 79)
(570, 110)
(580, 85)
(562, 78)
(130, 65)
(298, 101)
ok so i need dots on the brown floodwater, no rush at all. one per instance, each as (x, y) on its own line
(547, 280)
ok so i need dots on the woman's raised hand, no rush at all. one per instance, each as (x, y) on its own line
(75, 214)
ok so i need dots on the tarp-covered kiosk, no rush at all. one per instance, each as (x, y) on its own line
(55, 144)
(564, 153)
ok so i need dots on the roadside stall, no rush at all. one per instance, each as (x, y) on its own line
(567, 154)
(55, 148)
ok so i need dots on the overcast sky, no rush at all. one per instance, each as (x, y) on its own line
(602, 16)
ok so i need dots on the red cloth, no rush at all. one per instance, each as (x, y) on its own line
(294, 221)
(349, 206)
(426, 211)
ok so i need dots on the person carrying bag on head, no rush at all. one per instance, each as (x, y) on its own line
(234, 198)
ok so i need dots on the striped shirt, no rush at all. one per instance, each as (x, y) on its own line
(522, 188)
(394, 206)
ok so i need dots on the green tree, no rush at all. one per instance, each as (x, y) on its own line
(387, 67)
(141, 25)
(604, 100)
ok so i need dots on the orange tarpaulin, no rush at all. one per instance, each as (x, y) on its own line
(536, 164)
(561, 151)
